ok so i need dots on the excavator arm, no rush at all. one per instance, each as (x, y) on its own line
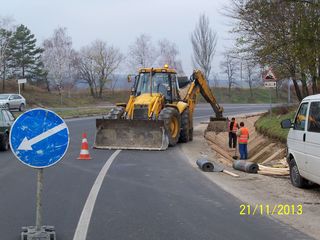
(200, 84)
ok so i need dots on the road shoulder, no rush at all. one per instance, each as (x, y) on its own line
(255, 189)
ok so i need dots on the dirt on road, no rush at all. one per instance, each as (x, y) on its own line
(259, 190)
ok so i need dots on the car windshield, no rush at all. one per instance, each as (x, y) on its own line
(160, 83)
(4, 96)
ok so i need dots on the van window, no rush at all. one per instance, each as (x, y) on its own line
(314, 117)
(300, 121)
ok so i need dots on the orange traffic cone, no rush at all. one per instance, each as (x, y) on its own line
(84, 153)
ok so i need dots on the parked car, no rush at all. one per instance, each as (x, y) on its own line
(6, 121)
(13, 101)
(303, 143)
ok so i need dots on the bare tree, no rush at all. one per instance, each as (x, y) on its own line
(168, 54)
(96, 65)
(230, 67)
(204, 41)
(6, 28)
(252, 74)
(141, 53)
(59, 60)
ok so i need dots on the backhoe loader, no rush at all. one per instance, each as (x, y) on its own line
(158, 113)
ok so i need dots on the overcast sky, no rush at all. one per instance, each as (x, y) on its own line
(119, 22)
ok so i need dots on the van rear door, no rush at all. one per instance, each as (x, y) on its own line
(296, 137)
(312, 143)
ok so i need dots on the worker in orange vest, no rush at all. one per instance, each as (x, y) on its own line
(243, 134)
(233, 127)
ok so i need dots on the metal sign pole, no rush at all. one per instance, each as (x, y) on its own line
(19, 87)
(25, 143)
(39, 199)
(270, 103)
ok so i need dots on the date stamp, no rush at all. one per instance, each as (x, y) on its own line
(267, 209)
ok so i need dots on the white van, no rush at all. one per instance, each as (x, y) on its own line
(303, 144)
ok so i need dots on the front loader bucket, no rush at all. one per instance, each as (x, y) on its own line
(217, 125)
(130, 134)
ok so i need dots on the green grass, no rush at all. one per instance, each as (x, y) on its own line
(76, 112)
(270, 126)
(243, 95)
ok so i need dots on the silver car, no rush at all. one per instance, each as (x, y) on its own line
(13, 101)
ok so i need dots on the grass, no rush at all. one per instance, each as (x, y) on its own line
(243, 95)
(270, 126)
(38, 97)
(76, 112)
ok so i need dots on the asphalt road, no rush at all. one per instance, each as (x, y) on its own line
(144, 195)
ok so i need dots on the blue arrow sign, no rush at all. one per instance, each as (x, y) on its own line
(39, 138)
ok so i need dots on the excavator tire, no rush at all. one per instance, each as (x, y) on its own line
(172, 122)
(115, 113)
(185, 128)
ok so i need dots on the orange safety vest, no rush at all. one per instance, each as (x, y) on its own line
(244, 135)
(235, 128)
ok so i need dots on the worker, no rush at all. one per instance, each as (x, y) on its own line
(233, 127)
(243, 134)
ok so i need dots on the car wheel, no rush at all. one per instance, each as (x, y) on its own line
(7, 106)
(22, 107)
(4, 142)
(296, 179)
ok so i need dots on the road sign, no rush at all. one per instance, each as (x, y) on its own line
(23, 80)
(270, 76)
(39, 138)
(270, 84)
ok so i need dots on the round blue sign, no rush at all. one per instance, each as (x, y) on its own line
(39, 138)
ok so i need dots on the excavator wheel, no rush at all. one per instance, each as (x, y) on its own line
(115, 113)
(185, 126)
(172, 122)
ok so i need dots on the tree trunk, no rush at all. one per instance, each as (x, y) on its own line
(297, 89)
(251, 92)
(4, 77)
(22, 77)
(91, 90)
(47, 85)
(100, 91)
(314, 85)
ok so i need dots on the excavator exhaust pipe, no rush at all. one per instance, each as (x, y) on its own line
(217, 125)
(130, 134)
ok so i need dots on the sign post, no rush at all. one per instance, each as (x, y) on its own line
(270, 82)
(39, 138)
(21, 81)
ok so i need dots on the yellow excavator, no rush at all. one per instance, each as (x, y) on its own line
(159, 112)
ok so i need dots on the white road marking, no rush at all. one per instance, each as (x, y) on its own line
(84, 221)
(26, 144)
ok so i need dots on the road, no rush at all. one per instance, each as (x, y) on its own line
(144, 195)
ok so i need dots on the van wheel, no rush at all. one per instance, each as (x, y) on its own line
(296, 179)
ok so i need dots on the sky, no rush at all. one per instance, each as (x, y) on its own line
(119, 22)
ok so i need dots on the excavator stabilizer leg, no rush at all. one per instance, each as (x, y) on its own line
(130, 134)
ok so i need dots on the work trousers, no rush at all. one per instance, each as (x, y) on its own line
(232, 140)
(243, 151)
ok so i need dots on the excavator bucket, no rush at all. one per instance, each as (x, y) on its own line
(130, 134)
(217, 125)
